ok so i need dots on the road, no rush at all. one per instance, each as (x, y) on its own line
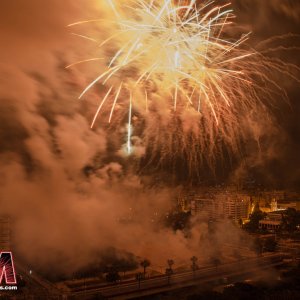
(155, 285)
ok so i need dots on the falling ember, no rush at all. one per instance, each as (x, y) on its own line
(129, 127)
(186, 75)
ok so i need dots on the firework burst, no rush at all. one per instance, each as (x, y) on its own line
(176, 68)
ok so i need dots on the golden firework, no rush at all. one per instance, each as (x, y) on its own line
(176, 64)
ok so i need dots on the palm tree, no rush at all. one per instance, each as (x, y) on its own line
(194, 266)
(139, 277)
(194, 260)
(216, 261)
(145, 264)
(169, 271)
(170, 263)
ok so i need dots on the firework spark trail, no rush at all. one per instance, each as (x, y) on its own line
(129, 127)
(180, 56)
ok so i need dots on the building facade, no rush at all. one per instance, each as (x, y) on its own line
(272, 221)
(5, 234)
(232, 206)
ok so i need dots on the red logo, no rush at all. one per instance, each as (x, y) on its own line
(7, 269)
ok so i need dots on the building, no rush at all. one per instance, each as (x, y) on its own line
(274, 205)
(221, 206)
(205, 208)
(237, 208)
(288, 204)
(5, 237)
(269, 206)
(269, 225)
(184, 201)
(272, 221)
(268, 200)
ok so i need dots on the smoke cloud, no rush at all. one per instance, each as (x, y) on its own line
(67, 197)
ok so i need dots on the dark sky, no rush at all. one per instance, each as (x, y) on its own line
(268, 19)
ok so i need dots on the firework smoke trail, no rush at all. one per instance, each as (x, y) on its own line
(176, 67)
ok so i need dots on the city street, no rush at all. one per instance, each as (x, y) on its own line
(165, 283)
